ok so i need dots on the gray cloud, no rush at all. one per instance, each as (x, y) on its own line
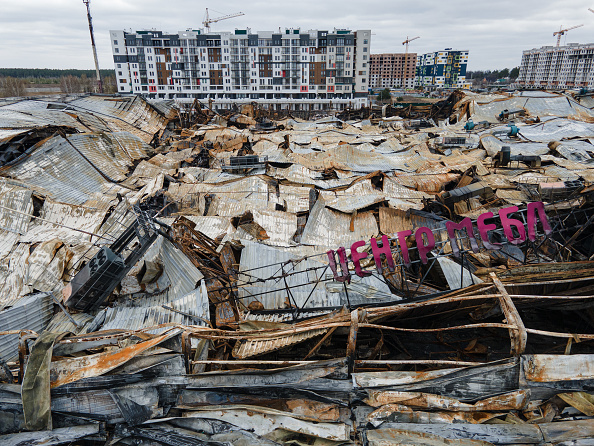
(54, 34)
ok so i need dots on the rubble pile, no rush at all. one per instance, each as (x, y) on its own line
(197, 277)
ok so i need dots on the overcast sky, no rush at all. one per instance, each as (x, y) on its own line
(54, 33)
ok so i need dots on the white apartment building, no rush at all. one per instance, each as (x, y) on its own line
(288, 69)
(561, 67)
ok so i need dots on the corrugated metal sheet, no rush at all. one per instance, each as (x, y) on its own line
(7, 135)
(302, 175)
(396, 220)
(204, 175)
(393, 188)
(264, 147)
(7, 241)
(284, 316)
(209, 226)
(248, 348)
(361, 290)
(11, 119)
(61, 323)
(166, 107)
(515, 197)
(133, 114)
(78, 217)
(295, 197)
(14, 195)
(558, 106)
(179, 277)
(463, 161)
(46, 266)
(59, 171)
(279, 226)
(456, 276)
(360, 195)
(136, 318)
(558, 129)
(348, 157)
(272, 293)
(328, 228)
(13, 279)
(170, 160)
(28, 313)
(560, 173)
(497, 181)
(427, 181)
(493, 145)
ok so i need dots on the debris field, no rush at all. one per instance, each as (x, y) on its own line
(181, 275)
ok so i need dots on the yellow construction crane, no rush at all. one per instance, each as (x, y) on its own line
(406, 42)
(207, 20)
(561, 32)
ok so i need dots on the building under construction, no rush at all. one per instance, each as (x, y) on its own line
(557, 68)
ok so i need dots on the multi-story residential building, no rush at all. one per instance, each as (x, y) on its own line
(289, 69)
(392, 70)
(560, 67)
(442, 69)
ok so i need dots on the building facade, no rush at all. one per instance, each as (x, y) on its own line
(442, 69)
(392, 70)
(560, 67)
(290, 69)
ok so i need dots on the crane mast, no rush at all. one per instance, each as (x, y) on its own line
(406, 42)
(99, 82)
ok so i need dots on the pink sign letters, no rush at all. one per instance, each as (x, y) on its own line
(425, 240)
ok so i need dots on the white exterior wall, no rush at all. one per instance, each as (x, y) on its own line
(563, 67)
(193, 79)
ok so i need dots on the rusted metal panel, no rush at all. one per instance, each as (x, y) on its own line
(397, 413)
(396, 436)
(508, 401)
(264, 421)
(517, 335)
(552, 368)
(70, 370)
(246, 348)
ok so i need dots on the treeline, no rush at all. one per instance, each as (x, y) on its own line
(49, 73)
(17, 87)
(492, 76)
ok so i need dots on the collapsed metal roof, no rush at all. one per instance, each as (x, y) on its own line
(232, 327)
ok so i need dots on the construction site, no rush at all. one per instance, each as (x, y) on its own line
(413, 275)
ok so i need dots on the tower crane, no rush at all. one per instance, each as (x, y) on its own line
(99, 83)
(207, 20)
(562, 32)
(406, 42)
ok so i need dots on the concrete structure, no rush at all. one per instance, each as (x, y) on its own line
(392, 70)
(442, 69)
(561, 67)
(286, 69)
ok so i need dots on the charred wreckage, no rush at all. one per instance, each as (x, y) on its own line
(184, 276)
